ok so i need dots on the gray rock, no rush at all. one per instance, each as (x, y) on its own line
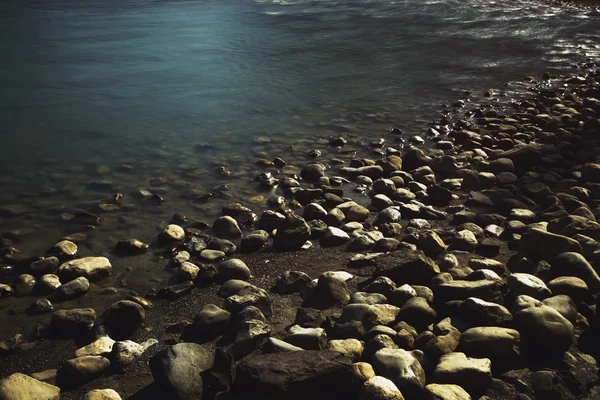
(92, 268)
(226, 227)
(407, 266)
(388, 215)
(74, 288)
(211, 321)
(20, 387)
(334, 237)
(292, 234)
(330, 290)
(250, 296)
(251, 334)
(254, 241)
(233, 269)
(68, 323)
(291, 282)
(47, 265)
(177, 369)
(464, 240)
(295, 375)
(80, 370)
(124, 317)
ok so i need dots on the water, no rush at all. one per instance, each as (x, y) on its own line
(89, 85)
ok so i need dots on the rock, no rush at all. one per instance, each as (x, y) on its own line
(367, 298)
(334, 237)
(187, 272)
(401, 367)
(291, 282)
(331, 289)
(6, 291)
(295, 375)
(435, 391)
(353, 348)
(574, 264)
(379, 388)
(292, 235)
(382, 285)
(457, 368)
(360, 244)
(172, 233)
(176, 291)
(500, 345)
(227, 228)
(124, 317)
(545, 245)
(127, 352)
(431, 244)
(407, 266)
(69, 323)
(211, 321)
(102, 345)
(74, 288)
(564, 305)
(24, 284)
(80, 370)
(233, 269)
(131, 246)
(41, 306)
(177, 370)
(527, 284)
(356, 213)
(251, 334)
(544, 331)
(47, 265)
(314, 211)
(307, 338)
(487, 263)
(63, 249)
(484, 313)
(254, 241)
(571, 286)
(250, 296)
(460, 290)
(273, 345)
(20, 387)
(102, 394)
(212, 255)
(417, 312)
(92, 268)
(387, 216)
(464, 240)
(312, 172)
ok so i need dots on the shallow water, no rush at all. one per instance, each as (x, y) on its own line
(89, 85)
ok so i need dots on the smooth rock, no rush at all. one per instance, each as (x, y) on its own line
(401, 367)
(80, 370)
(124, 317)
(470, 373)
(92, 268)
(379, 388)
(22, 387)
(102, 394)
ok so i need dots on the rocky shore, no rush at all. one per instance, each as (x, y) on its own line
(471, 272)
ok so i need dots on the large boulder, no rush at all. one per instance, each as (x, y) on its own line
(484, 313)
(20, 387)
(295, 375)
(92, 268)
(177, 370)
(545, 245)
(544, 331)
(574, 264)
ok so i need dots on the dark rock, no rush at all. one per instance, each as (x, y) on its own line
(74, 288)
(291, 282)
(211, 321)
(331, 290)
(293, 234)
(77, 371)
(69, 323)
(124, 317)
(406, 266)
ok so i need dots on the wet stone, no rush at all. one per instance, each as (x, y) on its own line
(41, 306)
(124, 317)
(93, 268)
(172, 233)
(211, 255)
(76, 287)
(24, 284)
(131, 246)
(49, 283)
(63, 249)
(47, 265)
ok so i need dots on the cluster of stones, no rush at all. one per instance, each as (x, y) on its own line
(440, 317)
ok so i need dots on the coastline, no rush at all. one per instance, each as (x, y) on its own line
(503, 133)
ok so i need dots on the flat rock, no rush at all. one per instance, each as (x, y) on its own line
(406, 266)
(92, 268)
(500, 345)
(77, 371)
(20, 387)
(470, 373)
(295, 375)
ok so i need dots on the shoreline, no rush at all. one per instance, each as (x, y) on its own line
(504, 133)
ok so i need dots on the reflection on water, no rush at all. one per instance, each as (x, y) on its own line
(177, 90)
